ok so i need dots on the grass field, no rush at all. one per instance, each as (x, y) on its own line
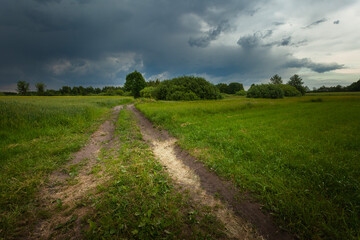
(298, 156)
(37, 135)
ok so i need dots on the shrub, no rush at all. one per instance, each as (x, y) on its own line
(186, 88)
(148, 92)
(289, 91)
(241, 93)
(265, 91)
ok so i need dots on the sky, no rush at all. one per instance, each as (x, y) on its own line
(98, 42)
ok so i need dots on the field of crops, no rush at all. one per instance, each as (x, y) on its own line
(298, 156)
(37, 135)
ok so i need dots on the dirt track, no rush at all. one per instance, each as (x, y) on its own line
(238, 216)
(62, 189)
(242, 219)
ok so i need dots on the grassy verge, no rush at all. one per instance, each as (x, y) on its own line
(140, 201)
(299, 156)
(37, 135)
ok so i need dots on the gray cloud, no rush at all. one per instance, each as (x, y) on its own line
(92, 42)
(211, 35)
(316, 23)
(316, 67)
(337, 22)
(252, 41)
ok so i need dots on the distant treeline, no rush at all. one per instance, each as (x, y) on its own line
(184, 88)
(354, 87)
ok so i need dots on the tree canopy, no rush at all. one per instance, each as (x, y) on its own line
(135, 82)
(276, 79)
(297, 82)
(22, 87)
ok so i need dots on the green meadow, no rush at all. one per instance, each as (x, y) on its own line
(298, 156)
(37, 135)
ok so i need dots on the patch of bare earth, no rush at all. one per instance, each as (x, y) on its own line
(65, 188)
(242, 217)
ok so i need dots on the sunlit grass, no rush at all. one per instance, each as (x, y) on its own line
(37, 135)
(299, 156)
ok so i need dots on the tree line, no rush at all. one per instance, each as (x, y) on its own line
(186, 88)
(354, 87)
(23, 90)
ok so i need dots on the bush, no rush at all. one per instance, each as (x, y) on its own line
(241, 93)
(186, 88)
(148, 92)
(265, 91)
(289, 91)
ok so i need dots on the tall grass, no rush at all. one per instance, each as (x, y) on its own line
(37, 134)
(297, 156)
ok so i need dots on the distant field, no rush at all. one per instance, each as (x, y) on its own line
(334, 94)
(37, 135)
(299, 156)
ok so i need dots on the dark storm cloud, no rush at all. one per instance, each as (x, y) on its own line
(46, 39)
(316, 23)
(254, 40)
(316, 67)
(211, 35)
(94, 42)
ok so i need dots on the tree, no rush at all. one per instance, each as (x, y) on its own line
(276, 79)
(65, 90)
(22, 87)
(135, 83)
(234, 87)
(40, 88)
(223, 87)
(297, 82)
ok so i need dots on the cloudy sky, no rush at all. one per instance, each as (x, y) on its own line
(98, 42)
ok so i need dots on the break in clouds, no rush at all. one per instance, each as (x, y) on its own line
(93, 42)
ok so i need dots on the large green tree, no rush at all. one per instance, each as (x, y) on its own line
(234, 87)
(276, 79)
(297, 82)
(22, 87)
(40, 88)
(135, 83)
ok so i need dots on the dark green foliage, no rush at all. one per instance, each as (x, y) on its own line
(265, 91)
(297, 82)
(289, 91)
(223, 87)
(135, 83)
(186, 88)
(153, 83)
(22, 87)
(40, 87)
(65, 90)
(354, 87)
(232, 88)
(276, 79)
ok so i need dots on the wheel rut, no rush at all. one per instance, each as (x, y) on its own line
(67, 186)
(242, 217)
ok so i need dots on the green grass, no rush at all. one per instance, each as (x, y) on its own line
(334, 94)
(37, 135)
(298, 156)
(140, 201)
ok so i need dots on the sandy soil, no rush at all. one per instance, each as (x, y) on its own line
(66, 190)
(243, 219)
